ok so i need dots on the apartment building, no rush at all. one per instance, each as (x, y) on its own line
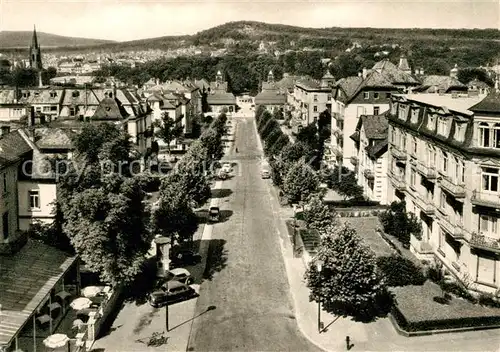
(367, 94)
(311, 98)
(445, 162)
(370, 140)
(272, 96)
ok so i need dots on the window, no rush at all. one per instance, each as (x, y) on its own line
(442, 126)
(413, 177)
(53, 108)
(394, 108)
(72, 111)
(489, 179)
(486, 269)
(315, 108)
(414, 115)
(34, 199)
(414, 145)
(5, 225)
(488, 225)
(4, 178)
(315, 97)
(38, 109)
(431, 123)
(376, 110)
(53, 94)
(457, 170)
(442, 240)
(388, 95)
(442, 201)
(460, 131)
(402, 112)
(75, 94)
(375, 95)
(393, 135)
(489, 137)
(444, 163)
(462, 172)
(403, 141)
(366, 95)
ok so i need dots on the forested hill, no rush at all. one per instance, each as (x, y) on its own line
(22, 39)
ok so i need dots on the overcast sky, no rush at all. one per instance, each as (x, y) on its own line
(137, 19)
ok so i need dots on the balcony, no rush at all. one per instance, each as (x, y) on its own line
(398, 181)
(485, 243)
(425, 205)
(369, 174)
(354, 160)
(449, 226)
(398, 154)
(455, 189)
(486, 199)
(429, 172)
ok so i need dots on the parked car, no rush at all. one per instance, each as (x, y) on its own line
(226, 167)
(214, 214)
(222, 175)
(181, 257)
(178, 274)
(172, 291)
(265, 173)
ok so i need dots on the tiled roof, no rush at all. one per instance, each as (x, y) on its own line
(12, 147)
(434, 83)
(308, 83)
(44, 96)
(270, 98)
(377, 149)
(269, 86)
(218, 86)
(375, 126)
(349, 85)
(8, 96)
(202, 84)
(221, 98)
(26, 279)
(53, 138)
(392, 73)
(77, 96)
(110, 109)
(460, 104)
(491, 103)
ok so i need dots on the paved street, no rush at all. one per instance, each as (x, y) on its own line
(250, 292)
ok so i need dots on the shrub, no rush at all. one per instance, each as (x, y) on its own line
(488, 300)
(457, 290)
(400, 224)
(400, 271)
(435, 274)
(149, 182)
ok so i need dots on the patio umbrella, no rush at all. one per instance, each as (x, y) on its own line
(81, 303)
(91, 291)
(56, 341)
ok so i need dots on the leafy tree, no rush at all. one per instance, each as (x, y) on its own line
(174, 216)
(344, 182)
(400, 271)
(278, 146)
(109, 230)
(349, 283)
(191, 183)
(259, 111)
(278, 114)
(276, 166)
(167, 129)
(296, 151)
(400, 224)
(300, 182)
(465, 75)
(318, 215)
(212, 142)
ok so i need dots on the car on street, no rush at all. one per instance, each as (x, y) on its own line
(183, 257)
(222, 175)
(265, 173)
(226, 167)
(177, 274)
(214, 214)
(172, 291)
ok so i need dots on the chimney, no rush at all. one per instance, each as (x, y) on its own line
(365, 72)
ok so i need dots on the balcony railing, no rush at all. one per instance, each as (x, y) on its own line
(449, 226)
(354, 160)
(369, 174)
(428, 172)
(486, 199)
(485, 242)
(398, 181)
(425, 205)
(398, 154)
(455, 189)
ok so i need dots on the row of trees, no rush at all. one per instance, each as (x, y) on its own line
(102, 213)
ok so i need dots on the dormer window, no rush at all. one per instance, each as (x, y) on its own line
(442, 126)
(414, 115)
(489, 135)
(375, 95)
(75, 94)
(394, 108)
(26, 94)
(53, 94)
(431, 123)
(460, 128)
(402, 112)
(366, 95)
(37, 94)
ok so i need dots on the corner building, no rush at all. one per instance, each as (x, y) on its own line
(444, 161)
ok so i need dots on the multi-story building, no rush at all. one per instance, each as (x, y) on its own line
(272, 96)
(371, 161)
(219, 99)
(311, 98)
(46, 103)
(13, 112)
(367, 94)
(444, 162)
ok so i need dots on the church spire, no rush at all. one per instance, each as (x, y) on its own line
(34, 39)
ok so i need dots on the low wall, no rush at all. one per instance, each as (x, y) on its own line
(355, 213)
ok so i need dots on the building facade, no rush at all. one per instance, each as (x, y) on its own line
(444, 162)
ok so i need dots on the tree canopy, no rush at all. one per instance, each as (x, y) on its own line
(300, 182)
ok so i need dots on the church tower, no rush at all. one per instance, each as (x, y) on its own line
(35, 54)
(270, 77)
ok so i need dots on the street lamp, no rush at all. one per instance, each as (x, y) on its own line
(319, 267)
(162, 255)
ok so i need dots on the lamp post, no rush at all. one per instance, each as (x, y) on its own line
(162, 255)
(294, 227)
(319, 267)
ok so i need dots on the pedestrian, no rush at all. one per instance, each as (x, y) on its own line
(348, 342)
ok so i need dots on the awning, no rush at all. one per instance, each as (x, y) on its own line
(26, 279)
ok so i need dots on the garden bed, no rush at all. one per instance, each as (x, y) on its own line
(416, 311)
(366, 229)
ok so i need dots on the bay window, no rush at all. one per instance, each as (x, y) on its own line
(489, 179)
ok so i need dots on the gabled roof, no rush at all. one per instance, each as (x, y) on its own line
(221, 98)
(77, 96)
(490, 104)
(12, 147)
(8, 96)
(435, 83)
(308, 83)
(375, 126)
(349, 85)
(110, 109)
(53, 138)
(44, 96)
(270, 97)
(394, 74)
(373, 80)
